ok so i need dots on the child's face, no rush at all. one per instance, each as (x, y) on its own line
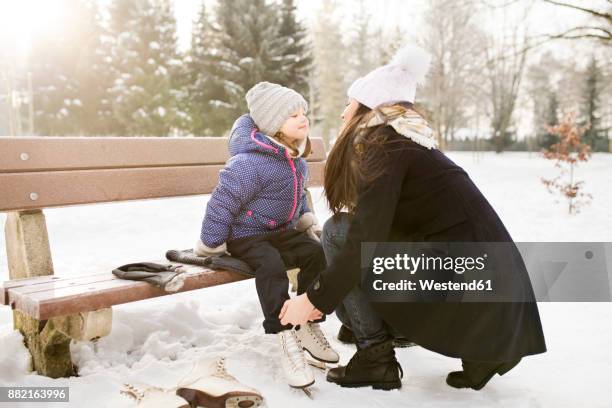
(296, 127)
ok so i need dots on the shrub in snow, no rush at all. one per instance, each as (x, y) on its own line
(567, 152)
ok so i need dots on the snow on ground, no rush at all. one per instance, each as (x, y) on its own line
(154, 341)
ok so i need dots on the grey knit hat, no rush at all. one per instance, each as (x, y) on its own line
(271, 104)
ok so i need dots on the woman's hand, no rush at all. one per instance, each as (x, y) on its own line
(298, 310)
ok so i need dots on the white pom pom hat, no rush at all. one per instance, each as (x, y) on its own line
(394, 82)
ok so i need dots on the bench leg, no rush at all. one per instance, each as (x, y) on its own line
(49, 340)
(29, 255)
(49, 347)
(27, 244)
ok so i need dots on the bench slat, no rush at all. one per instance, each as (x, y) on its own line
(19, 154)
(83, 298)
(38, 280)
(60, 188)
(60, 284)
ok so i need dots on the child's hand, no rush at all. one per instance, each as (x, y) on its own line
(203, 250)
(314, 233)
(308, 223)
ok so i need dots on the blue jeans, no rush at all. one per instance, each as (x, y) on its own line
(355, 311)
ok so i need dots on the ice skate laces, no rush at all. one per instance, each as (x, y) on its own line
(320, 338)
(293, 350)
(133, 392)
(220, 370)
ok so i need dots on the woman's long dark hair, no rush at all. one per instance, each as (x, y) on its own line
(357, 158)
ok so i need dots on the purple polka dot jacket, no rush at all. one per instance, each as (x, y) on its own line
(260, 190)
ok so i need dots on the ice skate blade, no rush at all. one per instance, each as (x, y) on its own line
(320, 359)
(228, 400)
(317, 364)
(301, 387)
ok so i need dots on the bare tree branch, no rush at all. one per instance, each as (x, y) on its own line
(607, 16)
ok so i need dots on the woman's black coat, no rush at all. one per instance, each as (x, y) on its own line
(424, 196)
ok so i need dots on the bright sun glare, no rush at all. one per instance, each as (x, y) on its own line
(20, 20)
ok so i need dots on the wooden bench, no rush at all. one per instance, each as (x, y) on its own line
(44, 172)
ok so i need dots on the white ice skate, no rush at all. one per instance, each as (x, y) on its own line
(147, 396)
(314, 342)
(210, 385)
(296, 369)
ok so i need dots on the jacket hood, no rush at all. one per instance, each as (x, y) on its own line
(244, 138)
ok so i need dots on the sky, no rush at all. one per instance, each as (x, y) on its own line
(392, 12)
(408, 14)
(20, 20)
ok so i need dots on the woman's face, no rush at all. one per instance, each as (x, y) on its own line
(349, 110)
(296, 127)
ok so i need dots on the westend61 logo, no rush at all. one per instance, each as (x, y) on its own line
(405, 262)
(486, 271)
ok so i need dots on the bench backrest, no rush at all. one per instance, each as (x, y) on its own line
(42, 172)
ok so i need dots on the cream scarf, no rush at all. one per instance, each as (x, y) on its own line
(406, 122)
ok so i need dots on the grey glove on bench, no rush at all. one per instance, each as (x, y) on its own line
(167, 277)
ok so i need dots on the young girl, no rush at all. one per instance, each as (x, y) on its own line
(259, 213)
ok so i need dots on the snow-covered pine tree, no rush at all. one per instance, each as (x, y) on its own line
(547, 139)
(261, 55)
(146, 63)
(94, 74)
(330, 82)
(196, 101)
(591, 101)
(236, 49)
(210, 66)
(298, 53)
(542, 89)
(68, 75)
(362, 43)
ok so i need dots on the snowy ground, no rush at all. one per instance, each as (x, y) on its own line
(154, 341)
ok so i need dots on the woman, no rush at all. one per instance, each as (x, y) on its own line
(397, 187)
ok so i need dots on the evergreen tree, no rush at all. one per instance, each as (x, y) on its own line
(146, 65)
(329, 79)
(593, 136)
(362, 44)
(69, 75)
(546, 138)
(240, 48)
(95, 76)
(197, 101)
(298, 55)
(260, 54)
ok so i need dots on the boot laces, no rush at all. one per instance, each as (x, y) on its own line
(293, 350)
(318, 334)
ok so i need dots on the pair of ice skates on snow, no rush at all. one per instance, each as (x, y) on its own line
(207, 385)
(210, 385)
